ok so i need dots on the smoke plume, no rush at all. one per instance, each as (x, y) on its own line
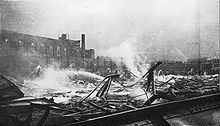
(127, 54)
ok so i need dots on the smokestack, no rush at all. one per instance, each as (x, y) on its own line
(83, 42)
(63, 37)
(83, 48)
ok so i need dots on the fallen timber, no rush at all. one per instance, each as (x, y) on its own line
(13, 108)
(161, 114)
(126, 110)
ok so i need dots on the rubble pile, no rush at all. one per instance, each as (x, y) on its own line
(91, 98)
(189, 86)
(9, 89)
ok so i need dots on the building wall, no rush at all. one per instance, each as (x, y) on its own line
(177, 67)
(37, 50)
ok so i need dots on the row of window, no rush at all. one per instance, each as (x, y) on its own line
(57, 51)
(36, 48)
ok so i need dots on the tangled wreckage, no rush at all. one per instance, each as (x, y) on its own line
(170, 100)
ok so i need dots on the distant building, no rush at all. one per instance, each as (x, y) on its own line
(210, 66)
(42, 50)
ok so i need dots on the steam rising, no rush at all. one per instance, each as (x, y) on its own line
(127, 54)
(63, 80)
(108, 22)
(181, 53)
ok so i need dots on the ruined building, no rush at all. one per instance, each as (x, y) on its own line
(19, 50)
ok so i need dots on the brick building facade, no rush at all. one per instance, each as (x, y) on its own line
(35, 50)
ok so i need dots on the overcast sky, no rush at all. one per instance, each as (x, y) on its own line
(161, 26)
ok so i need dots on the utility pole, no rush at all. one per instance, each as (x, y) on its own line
(198, 39)
(219, 63)
(218, 59)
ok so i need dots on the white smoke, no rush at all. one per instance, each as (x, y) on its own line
(181, 54)
(127, 54)
(64, 80)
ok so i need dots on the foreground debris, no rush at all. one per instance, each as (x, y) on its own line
(8, 89)
(111, 97)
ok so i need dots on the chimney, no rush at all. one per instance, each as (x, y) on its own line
(83, 47)
(83, 42)
(63, 37)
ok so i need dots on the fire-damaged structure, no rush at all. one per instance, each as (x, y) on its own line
(119, 98)
(158, 63)
(175, 101)
(21, 53)
(46, 50)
